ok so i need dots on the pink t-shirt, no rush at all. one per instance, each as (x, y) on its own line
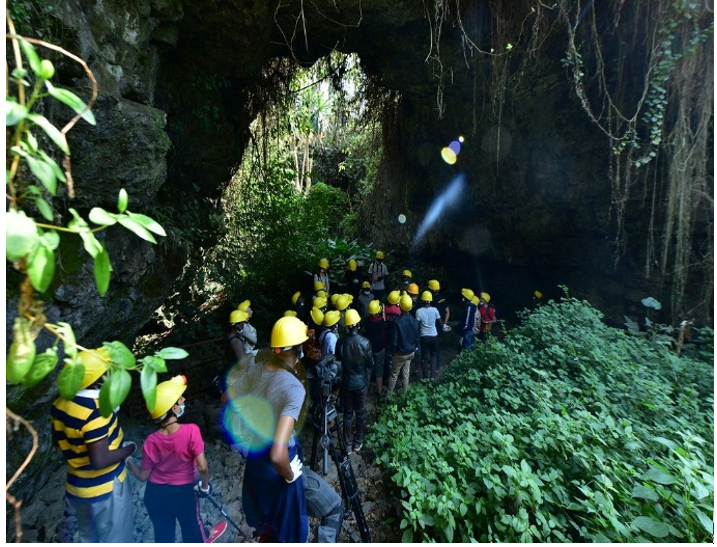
(172, 458)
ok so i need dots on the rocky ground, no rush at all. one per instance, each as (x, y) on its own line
(42, 516)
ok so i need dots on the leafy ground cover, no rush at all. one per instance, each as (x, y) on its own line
(565, 430)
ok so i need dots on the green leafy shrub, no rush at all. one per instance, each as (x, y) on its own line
(566, 431)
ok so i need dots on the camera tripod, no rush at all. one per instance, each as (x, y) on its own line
(327, 427)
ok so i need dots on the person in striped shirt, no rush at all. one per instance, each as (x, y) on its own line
(97, 491)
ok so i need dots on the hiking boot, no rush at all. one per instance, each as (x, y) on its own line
(358, 448)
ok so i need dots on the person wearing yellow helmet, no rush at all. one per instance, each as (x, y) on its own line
(248, 332)
(430, 324)
(404, 344)
(363, 300)
(97, 489)
(322, 276)
(328, 338)
(471, 319)
(406, 280)
(352, 279)
(171, 458)
(235, 347)
(376, 334)
(441, 304)
(354, 352)
(269, 397)
(487, 316)
(377, 274)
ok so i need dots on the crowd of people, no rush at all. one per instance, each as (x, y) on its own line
(374, 328)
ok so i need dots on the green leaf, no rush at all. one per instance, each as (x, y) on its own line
(149, 223)
(71, 100)
(91, 243)
(55, 134)
(21, 235)
(651, 526)
(45, 209)
(705, 521)
(41, 367)
(156, 363)
(102, 217)
(68, 337)
(122, 200)
(148, 381)
(407, 536)
(70, 380)
(114, 391)
(22, 351)
(171, 353)
(59, 173)
(103, 270)
(32, 58)
(120, 354)
(448, 532)
(657, 475)
(136, 228)
(640, 491)
(44, 173)
(50, 239)
(41, 267)
(14, 113)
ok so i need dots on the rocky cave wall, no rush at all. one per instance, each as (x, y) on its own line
(175, 102)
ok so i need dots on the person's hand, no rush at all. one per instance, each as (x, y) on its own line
(201, 490)
(446, 327)
(125, 444)
(296, 466)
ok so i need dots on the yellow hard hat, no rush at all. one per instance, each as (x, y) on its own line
(320, 302)
(317, 315)
(288, 332)
(379, 255)
(350, 297)
(96, 362)
(321, 294)
(538, 294)
(295, 297)
(352, 265)
(394, 297)
(485, 296)
(406, 303)
(323, 263)
(427, 296)
(407, 273)
(238, 316)
(331, 318)
(334, 297)
(365, 285)
(244, 305)
(319, 285)
(290, 313)
(475, 300)
(374, 307)
(352, 318)
(168, 393)
(467, 294)
(342, 302)
(434, 285)
(413, 289)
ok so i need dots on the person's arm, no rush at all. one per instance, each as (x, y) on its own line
(448, 315)
(279, 453)
(249, 334)
(139, 472)
(101, 456)
(203, 468)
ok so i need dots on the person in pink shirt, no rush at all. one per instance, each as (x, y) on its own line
(171, 457)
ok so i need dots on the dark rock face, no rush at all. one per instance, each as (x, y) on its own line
(175, 101)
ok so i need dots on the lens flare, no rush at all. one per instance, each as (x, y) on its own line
(448, 198)
(402, 218)
(448, 155)
(461, 139)
(456, 147)
(249, 423)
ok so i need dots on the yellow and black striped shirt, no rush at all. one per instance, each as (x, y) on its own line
(76, 424)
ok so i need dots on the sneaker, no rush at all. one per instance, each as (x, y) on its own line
(357, 448)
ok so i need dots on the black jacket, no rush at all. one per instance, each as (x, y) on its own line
(405, 334)
(354, 352)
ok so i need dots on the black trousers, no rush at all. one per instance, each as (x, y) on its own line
(167, 504)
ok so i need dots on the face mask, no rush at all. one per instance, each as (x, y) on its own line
(181, 410)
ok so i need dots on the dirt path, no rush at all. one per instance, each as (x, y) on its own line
(43, 514)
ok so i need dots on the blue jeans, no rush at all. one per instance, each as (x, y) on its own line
(469, 339)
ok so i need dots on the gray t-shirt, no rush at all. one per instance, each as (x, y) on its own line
(262, 396)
